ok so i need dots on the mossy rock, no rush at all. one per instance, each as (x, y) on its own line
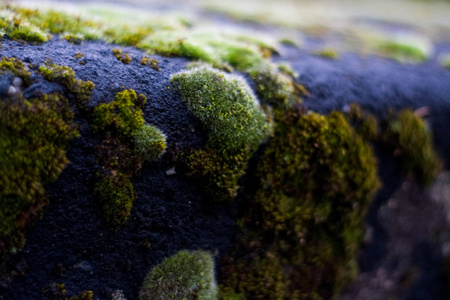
(183, 276)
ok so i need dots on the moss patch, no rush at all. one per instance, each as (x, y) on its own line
(183, 276)
(127, 143)
(34, 135)
(327, 53)
(233, 120)
(401, 52)
(317, 177)
(413, 145)
(66, 76)
(121, 56)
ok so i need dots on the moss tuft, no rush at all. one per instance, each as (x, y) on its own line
(123, 114)
(226, 106)
(413, 144)
(366, 125)
(15, 66)
(327, 53)
(233, 120)
(123, 57)
(401, 52)
(153, 63)
(116, 195)
(183, 276)
(150, 142)
(66, 76)
(317, 177)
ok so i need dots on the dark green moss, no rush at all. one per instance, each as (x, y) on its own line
(33, 138)
(121, 56)
(413, 145)
(366, 125)
(116, 195)
(58, 291)
(66, 76)
(183, 276)
(317, 177)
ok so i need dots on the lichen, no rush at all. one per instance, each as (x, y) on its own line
(183, 276)
(413, 145)
(304, 225)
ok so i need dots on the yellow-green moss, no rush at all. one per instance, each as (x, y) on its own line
(121, 56)
(413, 145)
(225, 104)
(233, 120)
(124, 114)
(401, 52)
(317, 177)
(58, 291)
(153, 63)
(327, 53)
(33, 138)
(66, 76)
(444, 60)
(183, 276)
(116, 195)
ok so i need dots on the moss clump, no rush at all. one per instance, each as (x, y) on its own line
(116, 195)
(444, 60)
(233, 120)
(66, 76)
(124, 114)
(19, 29)
(33, 138)
(366, 125)
(274, 88)
(327, 53)
(226, 106)
(413, 144)
(58, 291)
(183, 276)
(127, 142)
(304, 227)
(16, 67)
(149, 142)
(153, 63)
(401, 52)
(123, 57)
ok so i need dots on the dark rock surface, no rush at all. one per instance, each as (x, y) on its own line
(71, 243)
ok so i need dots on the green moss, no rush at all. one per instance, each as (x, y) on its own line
(413, 144)
(274, 88)
(66, 76)
(366, 125)
(123, 57)
(58, 291)
(401, 52)
(317, 177)
(444, 60)
(33, 138)
(116, 195)
(234, 122)
(183, 276)
(226, 106)
(16, 67)
(288, 42)
(153, 63)
(327, 53)
(124, 114)
(150, 142)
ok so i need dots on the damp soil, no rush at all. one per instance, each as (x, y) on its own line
(71, 244)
